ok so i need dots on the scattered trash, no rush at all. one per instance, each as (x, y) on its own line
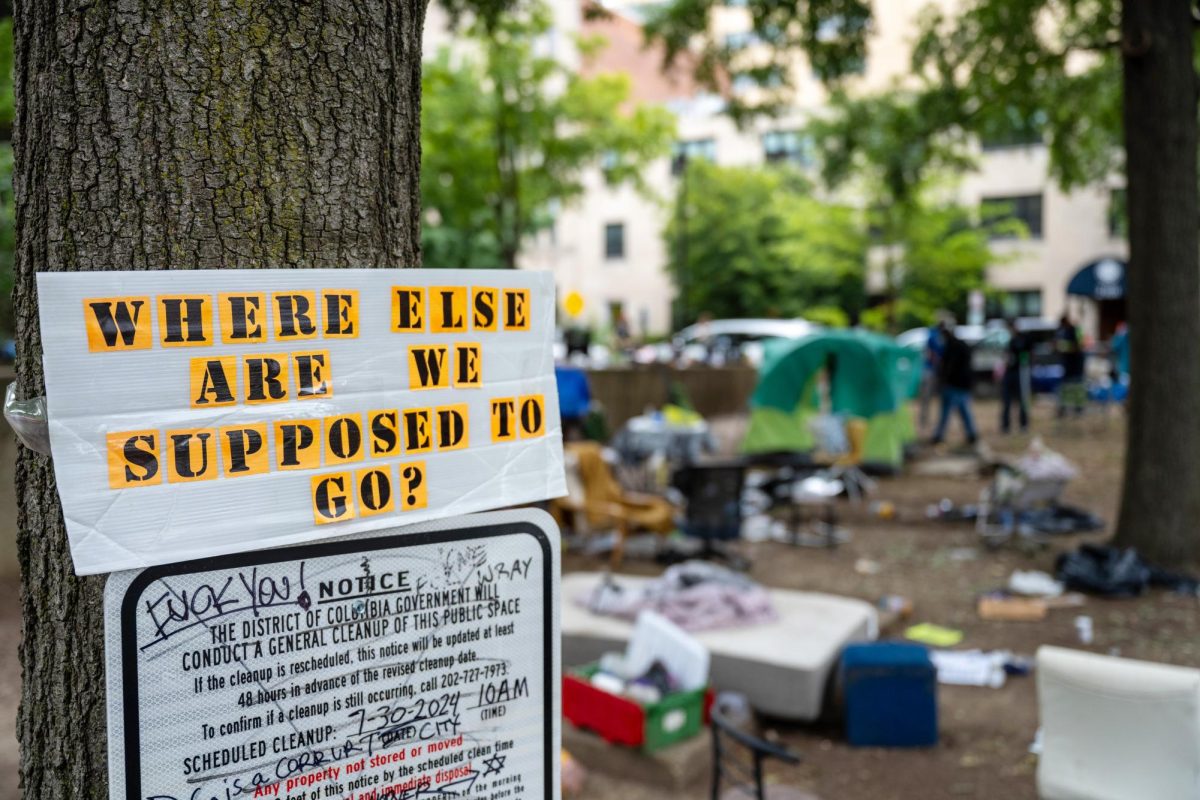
(658, 641)
(1040, 463)
(754, 501)
(1035, 747)
(606, 681)
(884, 509)
(816, 488)
(963, 467)
(1068, 600)
(933, 635)
(1084, 629)
(971, 667)
(756, 528)
(866, 566)
(1018, 665)
(1034, 583)
(895, 604)
(1006, 608)
(942, 509)
(962, 554)
(1113, 572)
(695, 595)
(1061, 519)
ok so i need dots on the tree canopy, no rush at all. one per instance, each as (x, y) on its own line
(752, 242)
(507, 136)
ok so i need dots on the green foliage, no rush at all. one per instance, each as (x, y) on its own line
(830, 32)
(895, 150)
(985, 67)
(749, 242)
(945, 258)
(829, 316)
(1009, 62)
(892, 146)
(507, 136)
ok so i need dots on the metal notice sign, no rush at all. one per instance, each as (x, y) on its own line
(414, 663)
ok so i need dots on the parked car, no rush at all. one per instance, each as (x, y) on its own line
(725, 341)
(988, 355)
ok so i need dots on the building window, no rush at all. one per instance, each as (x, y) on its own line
(1118, 214)
(614, 241)
(1026, 209)
(1022, 303)
(787, 146)
(692, 150)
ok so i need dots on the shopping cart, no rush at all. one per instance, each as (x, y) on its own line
(1009, 499)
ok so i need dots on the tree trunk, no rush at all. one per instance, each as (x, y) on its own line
(183, 134)
(1160, 503)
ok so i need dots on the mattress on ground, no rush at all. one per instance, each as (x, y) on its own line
(781, 666)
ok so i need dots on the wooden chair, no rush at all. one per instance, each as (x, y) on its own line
(602, 502)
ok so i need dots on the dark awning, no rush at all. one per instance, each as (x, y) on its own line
(1103, 279)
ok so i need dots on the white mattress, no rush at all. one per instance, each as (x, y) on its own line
(781, 666)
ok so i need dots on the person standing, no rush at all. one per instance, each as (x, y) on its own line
(1119, 348)
(956, 377)
(1071, 393)
(1014, 385)
(929, 372)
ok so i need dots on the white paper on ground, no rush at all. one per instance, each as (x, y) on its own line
(970, 667)
(98, 395)
(414, 662)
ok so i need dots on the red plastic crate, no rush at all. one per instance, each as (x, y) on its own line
(619, 720)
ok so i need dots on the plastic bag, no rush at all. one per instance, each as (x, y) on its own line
(1114, 572)
(28, 419)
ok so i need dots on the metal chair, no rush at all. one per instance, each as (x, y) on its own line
(713, 512)
(730, 767)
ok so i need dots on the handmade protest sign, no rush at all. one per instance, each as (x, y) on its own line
(375, 667)
(198, 413)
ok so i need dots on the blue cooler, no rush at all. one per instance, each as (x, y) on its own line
(890, 695)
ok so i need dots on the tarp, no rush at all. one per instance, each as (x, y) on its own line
(872, 378)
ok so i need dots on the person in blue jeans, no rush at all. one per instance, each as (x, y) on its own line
(957, 378)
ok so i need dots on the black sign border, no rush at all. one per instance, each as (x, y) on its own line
(129, 648)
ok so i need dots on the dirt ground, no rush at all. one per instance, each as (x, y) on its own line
(985, 733)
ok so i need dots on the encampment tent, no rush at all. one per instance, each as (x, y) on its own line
(870, 376)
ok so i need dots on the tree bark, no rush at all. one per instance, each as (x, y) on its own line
(185, 134)
(1160, 503)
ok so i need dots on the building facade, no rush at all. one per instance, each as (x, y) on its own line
(608, 246)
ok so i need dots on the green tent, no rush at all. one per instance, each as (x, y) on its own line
(872, 377)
